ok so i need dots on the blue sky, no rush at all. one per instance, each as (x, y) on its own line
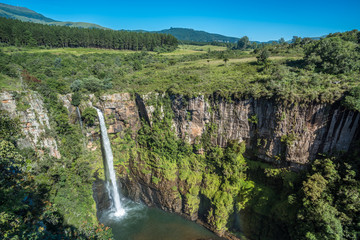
(259, 20)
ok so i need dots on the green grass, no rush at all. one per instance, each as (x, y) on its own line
(9, 84)
(59, 51)
(192, 49)
(181, 50)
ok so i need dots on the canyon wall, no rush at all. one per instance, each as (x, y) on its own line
(295, 133)
(292, 134)
(34, 121)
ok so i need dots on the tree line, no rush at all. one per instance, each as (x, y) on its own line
(15, 32)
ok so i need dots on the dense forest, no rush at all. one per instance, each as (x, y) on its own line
(20, 33)
(186, 34)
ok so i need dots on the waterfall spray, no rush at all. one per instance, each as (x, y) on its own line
(111, 184)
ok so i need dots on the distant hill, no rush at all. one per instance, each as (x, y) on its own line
(21, 13)
(78, 24)
(27, 15)
(182, 34)
(187, 34)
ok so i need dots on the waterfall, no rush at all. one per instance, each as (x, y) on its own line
(79, 117)
(110, 176)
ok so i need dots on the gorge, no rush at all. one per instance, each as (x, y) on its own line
(286, 136)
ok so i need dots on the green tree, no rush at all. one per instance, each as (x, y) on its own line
(263, 56)
(330, 202)
(89, 115)
(296, 40)
(352, 101)
(92, 84)
(333, 55)
(243, 43)
(76, 99)
(76, 85)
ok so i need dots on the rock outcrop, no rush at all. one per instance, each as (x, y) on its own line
(34, 121)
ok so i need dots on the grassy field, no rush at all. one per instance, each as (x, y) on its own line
(181, 50)
(192, 49)
(59, 51)
(245, 59)
(9, 84)
(190, 70)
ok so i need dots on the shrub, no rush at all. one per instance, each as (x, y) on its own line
(137, 66)
(333, 55)
(76, 85)
(92, 84)
(263, 56)
(288, 139)
(352, 101)
(89, 115)
(76, 99)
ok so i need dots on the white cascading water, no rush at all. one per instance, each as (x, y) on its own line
(111, 184)
(79, 117)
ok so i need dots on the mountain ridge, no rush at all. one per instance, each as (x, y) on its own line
(182, 34)
(189, 34)
(27, 15)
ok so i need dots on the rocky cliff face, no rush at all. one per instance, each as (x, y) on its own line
(119, 109)
(29, 108)
(272, 132)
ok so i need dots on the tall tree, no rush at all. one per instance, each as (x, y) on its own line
(243, 43)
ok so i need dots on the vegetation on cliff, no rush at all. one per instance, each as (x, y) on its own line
(44, 197)
(219, 175)
(321, 202)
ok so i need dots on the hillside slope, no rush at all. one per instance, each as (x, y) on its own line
(27, 15)
(187, 34)
(23, 14)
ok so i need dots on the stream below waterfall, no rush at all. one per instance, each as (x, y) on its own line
(144, 223)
